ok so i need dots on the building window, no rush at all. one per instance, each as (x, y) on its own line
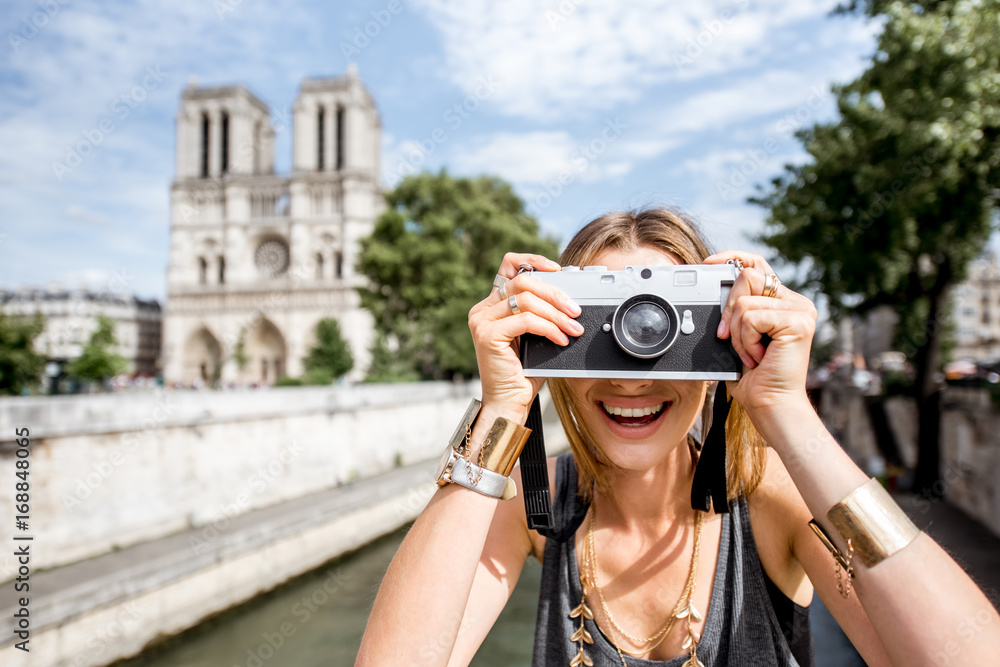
(204, 145)
(222, 270)
(263, 370)
(320, 123)
(319, 266)
(225, 142)
(202, 271)
(338, 262)
(257, 162)
(340, 137)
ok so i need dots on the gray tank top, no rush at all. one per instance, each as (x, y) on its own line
(741, 627)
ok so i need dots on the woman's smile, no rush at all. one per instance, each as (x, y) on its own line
(633, 418)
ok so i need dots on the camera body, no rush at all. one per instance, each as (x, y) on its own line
(656, 322)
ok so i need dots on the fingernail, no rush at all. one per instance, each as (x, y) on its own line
(574, 309)
(576, 327)
(721, 329)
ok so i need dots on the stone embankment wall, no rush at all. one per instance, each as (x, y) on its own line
(970, 443)
(110, 471)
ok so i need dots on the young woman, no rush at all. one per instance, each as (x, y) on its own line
(646, 579)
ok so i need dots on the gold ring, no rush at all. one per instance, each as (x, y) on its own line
(771, 284)
(512, 302)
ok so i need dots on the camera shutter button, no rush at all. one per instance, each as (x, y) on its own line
(687, 323)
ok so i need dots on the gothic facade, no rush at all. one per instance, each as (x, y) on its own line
(257, 258)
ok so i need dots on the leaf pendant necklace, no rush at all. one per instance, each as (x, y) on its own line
(683, 610)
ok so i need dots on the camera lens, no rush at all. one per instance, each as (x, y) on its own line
(645, 325)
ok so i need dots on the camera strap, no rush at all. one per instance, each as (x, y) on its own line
(535, 475)
(535, 485)
(708, 489)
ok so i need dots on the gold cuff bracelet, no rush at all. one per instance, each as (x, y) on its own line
(874, 523)
(503, 445)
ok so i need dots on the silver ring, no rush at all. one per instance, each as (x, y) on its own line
(499, 281)
(503, 291)
(771, 283)
(512, 302)
(525, 267)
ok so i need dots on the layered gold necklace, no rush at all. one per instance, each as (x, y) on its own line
(684, 609)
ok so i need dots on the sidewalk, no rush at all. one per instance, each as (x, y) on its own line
(972, 546)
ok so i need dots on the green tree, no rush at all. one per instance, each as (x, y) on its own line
(432, 256)
(21, 367)
(900, 193)
(239, 354)
(331, 356)
(388, 366)
(97, 362)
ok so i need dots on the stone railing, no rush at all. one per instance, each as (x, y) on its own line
(108, 471)
(970, 443)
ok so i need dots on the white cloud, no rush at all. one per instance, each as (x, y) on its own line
(530, 157)
(600, 55)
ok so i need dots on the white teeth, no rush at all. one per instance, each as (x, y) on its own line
(632, 412)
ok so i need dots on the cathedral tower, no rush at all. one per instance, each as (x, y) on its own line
(257, 259)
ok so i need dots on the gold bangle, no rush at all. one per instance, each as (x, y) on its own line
(503, 445)
(872, 523)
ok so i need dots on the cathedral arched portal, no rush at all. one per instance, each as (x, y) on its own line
(202, 356)
(266, 352)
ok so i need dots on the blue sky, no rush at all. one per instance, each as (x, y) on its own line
(643, 103)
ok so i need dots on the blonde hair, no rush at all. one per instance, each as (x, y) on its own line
(672, 232)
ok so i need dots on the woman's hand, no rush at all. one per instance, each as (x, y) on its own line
(543, 310)
(774, 375)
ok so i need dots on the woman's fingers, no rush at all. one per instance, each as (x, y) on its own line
(750, 282)
(753, 317)
(750, 260)
(524, 283)
(512, 261)
(529, 302)
(756, 316)
(510, 328)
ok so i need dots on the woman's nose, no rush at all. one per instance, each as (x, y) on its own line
(632, 386)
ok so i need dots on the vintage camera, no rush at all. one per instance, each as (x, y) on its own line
(656, 322)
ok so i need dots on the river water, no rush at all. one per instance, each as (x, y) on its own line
(317, 620)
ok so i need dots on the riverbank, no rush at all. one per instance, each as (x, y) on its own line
(110, 607)
(91, 612)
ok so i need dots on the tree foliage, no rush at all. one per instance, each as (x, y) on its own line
(900, 193)
(21, 367)
(97, 362)
(388, 365)
(239, 354)
(331, 357)
(432, 256)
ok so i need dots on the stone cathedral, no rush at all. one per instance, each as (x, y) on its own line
(258, 258)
